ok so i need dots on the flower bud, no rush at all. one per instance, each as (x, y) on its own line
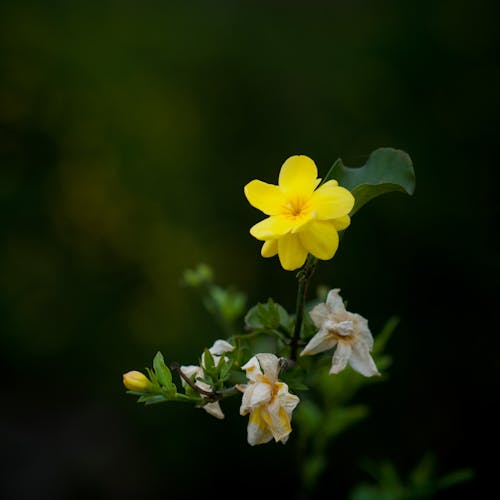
(136, 381)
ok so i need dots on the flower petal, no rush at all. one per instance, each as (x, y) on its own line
(269, 248)
(271, 228)
(322, 341)
(189, 371)
(278, 421)
(291, 252)
(334, 301)
(340, 357)
(214, 409)
(361, 360)
(287, 401)
(257, 430)
(267, 198)
(319, 314)
(320, 238)
(364, 332)
(261, 394)
(331, 201)
(341, 223)
(298, 175)
(269, 364)
(252, 369)
(220, 347)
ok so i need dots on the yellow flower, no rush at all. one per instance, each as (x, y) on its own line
(267, 400)
(136, 381)
(302, 219)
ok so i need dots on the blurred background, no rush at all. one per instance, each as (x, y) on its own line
(127, 132)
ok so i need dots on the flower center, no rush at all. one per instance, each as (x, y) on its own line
(296, 207)
(342, 330)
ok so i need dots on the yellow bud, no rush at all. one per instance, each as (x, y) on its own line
(136, 381)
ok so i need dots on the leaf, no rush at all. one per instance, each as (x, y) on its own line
(382, 338)
(208, 361)
(456, 477)
(339, 419)
(267, 316)
(386, 170)
(162, 372)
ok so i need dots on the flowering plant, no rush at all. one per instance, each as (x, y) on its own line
(289, 369)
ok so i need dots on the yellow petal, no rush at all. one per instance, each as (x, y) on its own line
(257, 430)
(269, 248)
(330, 201)
(278, 420)
(298, 175)
(291, 252)
(321, 239)
(341, 222)
(266, 197)
(271, 228)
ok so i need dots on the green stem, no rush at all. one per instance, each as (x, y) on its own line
(304, 276)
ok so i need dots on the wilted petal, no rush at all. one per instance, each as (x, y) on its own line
(272, 227)
(257, 430)
(320, 238)
(269, 364)
(298, 175)
(331, 201)
(278, 421)
(361, 360)
(268, 198)
(220, 347)
(291, 252)
(319, 314)
(287, 401)
(343, 328)
(214, 409)
(364, 333)
(340, 357)
(322, 341)
(269, 248)
(245, 406)
(261, 394)
(252, 368)
(334, 301)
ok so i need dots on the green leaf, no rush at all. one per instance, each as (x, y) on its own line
(339, 419)
(208, 361)
(162, 371)
(386, 170)
(267, 316)
(382, 338)
(225, 368)
(150, 399)
(456, 477)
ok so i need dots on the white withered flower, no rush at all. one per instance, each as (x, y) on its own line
(346, 331)
(219, 348)
(267, 400)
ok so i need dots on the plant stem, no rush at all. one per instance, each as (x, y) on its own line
(304, 277)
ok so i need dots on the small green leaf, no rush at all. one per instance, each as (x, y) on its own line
(162, 371)
(199, 276)
(267, 316)
(208, 361)
(454, 478)
(386, 333)
(385, 171)
(150, 399)
(225, 368)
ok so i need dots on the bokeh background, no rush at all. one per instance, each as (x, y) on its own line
(127, 132)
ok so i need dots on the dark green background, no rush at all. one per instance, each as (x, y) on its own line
(127, 132)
